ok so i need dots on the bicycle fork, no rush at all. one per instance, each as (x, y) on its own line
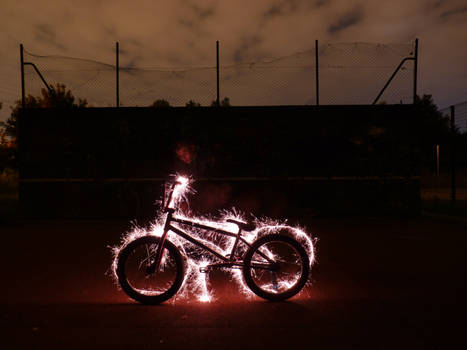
(154, 266)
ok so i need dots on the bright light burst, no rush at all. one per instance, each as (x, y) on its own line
(181, 189)
(196, 279)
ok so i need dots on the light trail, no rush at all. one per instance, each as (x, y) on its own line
(197, 259)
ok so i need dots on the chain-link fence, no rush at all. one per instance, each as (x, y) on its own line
(339, 73)
(458, 114)
(447, 181)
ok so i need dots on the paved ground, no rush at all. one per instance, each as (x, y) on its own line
(378, 283)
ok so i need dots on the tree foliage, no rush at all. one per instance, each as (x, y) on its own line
(192, 103)
(161, 103)
(7, 149)
(435, 128)
(224, 103)
(55, 97)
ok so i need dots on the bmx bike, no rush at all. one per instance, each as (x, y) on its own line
(274, 259)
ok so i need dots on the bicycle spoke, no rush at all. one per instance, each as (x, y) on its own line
(282, 269)
(136, 264)
(147, 260)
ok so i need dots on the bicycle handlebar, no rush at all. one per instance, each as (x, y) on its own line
(169, 199)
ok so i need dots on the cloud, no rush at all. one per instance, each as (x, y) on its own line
(282, 8)
(192, 15)
(45, 33)
(247, 43)
(349, 19)
(183, 33)
(454, 12)
(187, 23)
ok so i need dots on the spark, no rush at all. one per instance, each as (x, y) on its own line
(197, 260)
(180, 191)
(205, 295)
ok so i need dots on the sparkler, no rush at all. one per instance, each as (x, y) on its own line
(198, 261)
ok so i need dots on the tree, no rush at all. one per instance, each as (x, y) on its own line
(56, 97)
(59, 97)
(3, 138)
(192, 103)
(7, 152)
(224, 103)
(7, 149)
(434, 130)
(161, 103)
(435, 126)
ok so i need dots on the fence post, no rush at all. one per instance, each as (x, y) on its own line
(415, 69)
(453, 155)
(437, 163)
(317, 72)
(217, 72)
(23, 101)
(118, 74)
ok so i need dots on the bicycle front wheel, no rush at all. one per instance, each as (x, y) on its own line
(276, 267)
(134, 277)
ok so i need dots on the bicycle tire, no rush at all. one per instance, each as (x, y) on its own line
(171, 273)
(296, 269)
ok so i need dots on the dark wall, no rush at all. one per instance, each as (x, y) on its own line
(109, 162)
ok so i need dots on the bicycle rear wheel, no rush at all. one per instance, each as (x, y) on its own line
(150, 288)
(282, 274)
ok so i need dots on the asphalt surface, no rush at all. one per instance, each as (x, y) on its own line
(377, 284)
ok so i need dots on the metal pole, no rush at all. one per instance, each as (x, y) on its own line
(118, 74)
(317, 73)
(217, 71)
(23, 99)
(392, 77)
(453, 155)
(415, 69)
(48, 87)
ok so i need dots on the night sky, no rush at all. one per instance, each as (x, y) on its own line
(183, 32)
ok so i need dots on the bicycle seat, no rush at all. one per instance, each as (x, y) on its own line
(245, 226)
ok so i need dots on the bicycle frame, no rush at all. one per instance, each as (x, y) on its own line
(264, 256)
(228, 261)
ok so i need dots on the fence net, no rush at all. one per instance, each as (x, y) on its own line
(349, 73)
(460, 115)
(453, 161)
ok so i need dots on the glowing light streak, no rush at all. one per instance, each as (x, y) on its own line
(204, 295)
(196, 279)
